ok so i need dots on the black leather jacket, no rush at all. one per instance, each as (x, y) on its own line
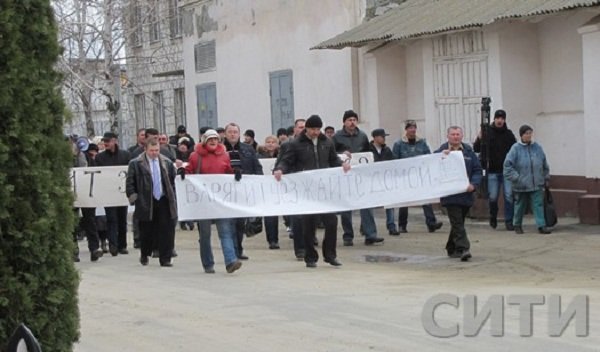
(302, 154)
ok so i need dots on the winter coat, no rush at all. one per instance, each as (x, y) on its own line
(248, 158)
(138, 186)
(354, 143)
(402, 149)
(500, 140)
(474, 173)
(302, 154)
(526, 167)
(212, 162)
(108, 158)
(385, 154)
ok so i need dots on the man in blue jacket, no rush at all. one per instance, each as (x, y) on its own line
(458, 205)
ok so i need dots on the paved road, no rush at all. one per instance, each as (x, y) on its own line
(373, 302)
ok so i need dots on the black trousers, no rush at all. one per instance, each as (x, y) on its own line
(296, 226)
(238, 238)
(159, 230)
(116, 223)
(309, 227)
(88, 224)
(457, 240)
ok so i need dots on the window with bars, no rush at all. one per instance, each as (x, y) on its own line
(175, 19)
(205, 56)
(179, 106)
(154, 23)
(135, 22)
(159, 111)
(139, 105)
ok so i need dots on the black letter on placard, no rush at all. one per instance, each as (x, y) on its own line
(123, 176)
(92, 180)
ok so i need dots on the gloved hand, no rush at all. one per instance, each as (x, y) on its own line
(237, 173)
(181, 172)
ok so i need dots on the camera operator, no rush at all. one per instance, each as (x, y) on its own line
(499, 141)
(243, 161)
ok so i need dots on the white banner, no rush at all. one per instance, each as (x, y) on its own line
(396, 182)
(99, 186)
(268, 164)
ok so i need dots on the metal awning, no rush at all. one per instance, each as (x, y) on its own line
(417, 18)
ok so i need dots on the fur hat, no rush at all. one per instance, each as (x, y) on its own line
(348, 114)
(209, 134)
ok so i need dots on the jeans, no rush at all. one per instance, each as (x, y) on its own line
(430, 219)
(457, 240)
(225, 229)
(495, 181)
(389, 220)
(522, 199)
(272, 228)
(367, 223)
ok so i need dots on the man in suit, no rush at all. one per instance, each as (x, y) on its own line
(150, 186)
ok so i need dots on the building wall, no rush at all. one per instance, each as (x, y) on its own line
(255, 38)
(145, 61)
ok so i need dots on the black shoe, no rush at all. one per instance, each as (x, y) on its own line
(455, 254)
(311, 264)
(518, 230)
(191, 226)
(403, 229)
(114, 251)
(183, 226)
(243, 257)
(436, 226)
(509, 227)
(371, 241)
(300, 255)
(544, 230)
(95, 255)
(333, 262)
(104, 247)
(144, 260)
(166, 264)
(493, 223)
(155, 254)
(348, 243)
(123, 251)
(233, 266)
(273, 245)
(174, 253)
(210, 270)
(466, 255)
(394, 233)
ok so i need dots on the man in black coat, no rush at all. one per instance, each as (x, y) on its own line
(116, 217)
(150, 187)
(312, 150)
(499, 141)
(243, 161)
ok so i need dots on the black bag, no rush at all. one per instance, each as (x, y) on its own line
(253, 226)
(549, 209)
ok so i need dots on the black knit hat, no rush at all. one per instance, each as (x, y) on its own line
(500, 114)
(348, 114)
(314, 121)
(523, 129)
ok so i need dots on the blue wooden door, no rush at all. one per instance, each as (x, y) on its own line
(206, 95)
(282, 99)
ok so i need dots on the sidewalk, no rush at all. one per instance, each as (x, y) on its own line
(373, 302)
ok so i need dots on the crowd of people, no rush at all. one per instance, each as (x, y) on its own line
(519, 168)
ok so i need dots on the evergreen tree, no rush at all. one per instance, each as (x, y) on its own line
(38, 281)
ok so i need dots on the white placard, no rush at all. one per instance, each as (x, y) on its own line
(395, 182)
(268, 164)
(99, 186)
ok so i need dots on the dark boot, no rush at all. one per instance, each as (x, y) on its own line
(518, 230)
(544, 230)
